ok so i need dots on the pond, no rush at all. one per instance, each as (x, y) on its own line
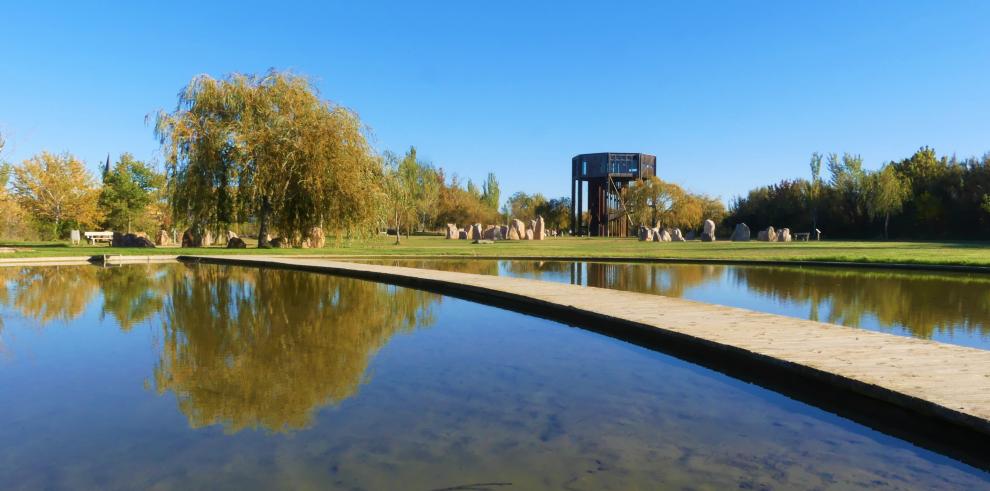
(180, 376)
(946, 307)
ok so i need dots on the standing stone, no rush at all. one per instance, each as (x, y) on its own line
(663, 236)
(529, 234)
(771, 234)
(689, 235)
(278, 242)
(503, 232)
(462, 234)
(162, 238)
(231, 235)
(708, 233)
(191, 239)
(517, 230)
(236, 243)
(676, 235)
(645, 234)
(451, 231)
(490, 233)
(741, 233)
(784, 235)
(316, 239)
(539, 229)
(475, 233)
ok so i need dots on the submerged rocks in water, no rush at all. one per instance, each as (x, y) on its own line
(741, 233)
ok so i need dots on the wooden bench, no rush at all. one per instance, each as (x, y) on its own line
(94, 237)
(802, 236)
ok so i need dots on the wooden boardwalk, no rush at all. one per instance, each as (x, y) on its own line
(941, 381)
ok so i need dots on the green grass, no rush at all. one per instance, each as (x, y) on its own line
(953, 253)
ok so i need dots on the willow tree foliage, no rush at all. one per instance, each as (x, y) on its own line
(654, 201)
(268, 148)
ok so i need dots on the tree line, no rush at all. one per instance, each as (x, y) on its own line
(263, 154)
(924, 196)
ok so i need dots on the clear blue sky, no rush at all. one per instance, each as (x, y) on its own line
(728, 95)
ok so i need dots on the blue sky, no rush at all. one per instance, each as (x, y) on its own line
(728, 95)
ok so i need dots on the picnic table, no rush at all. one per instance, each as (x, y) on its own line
(101, 236)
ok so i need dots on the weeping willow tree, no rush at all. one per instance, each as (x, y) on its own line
(268, 148)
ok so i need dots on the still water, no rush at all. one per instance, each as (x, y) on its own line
(210, 377)
(946, 307)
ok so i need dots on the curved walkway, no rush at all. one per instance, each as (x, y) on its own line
(950, 382)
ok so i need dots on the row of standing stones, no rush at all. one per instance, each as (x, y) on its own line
(315, 240)
(515, 230)
(740, 234)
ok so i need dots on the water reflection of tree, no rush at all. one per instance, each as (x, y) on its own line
(50, 293)
(132, 294)
(668, 280)
(249, 348)
(924, 304)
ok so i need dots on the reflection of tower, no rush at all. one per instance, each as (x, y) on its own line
(598, 274)
(607, 174)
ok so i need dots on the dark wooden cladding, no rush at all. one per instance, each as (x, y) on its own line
(607, 174)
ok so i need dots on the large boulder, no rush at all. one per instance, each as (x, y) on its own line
(676, 235)
(768, 235)
(462, 234)
(236, 243)
(451, 231)
(529, 234)
(539, 229)
(784, 235)
(315, 239)
(741, 233)
(662, 235)
(517, 230)
(708, 232)
(278, 242)
(503, 232)
(231, 235)
(645, 234)
(491, 232)
(190, 238)
(477, 230)
(162, 238)
(139, 239)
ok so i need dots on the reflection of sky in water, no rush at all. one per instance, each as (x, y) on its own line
(475, 394)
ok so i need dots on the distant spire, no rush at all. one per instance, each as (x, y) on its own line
(106, 168)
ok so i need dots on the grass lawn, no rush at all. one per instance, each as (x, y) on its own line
(956, 253)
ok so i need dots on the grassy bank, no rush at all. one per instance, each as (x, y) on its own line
(955, 253)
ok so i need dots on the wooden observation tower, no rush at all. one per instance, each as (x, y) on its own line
(607, 174)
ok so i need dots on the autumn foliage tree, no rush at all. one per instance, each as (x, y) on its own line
(57, 191)
(267, 148)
